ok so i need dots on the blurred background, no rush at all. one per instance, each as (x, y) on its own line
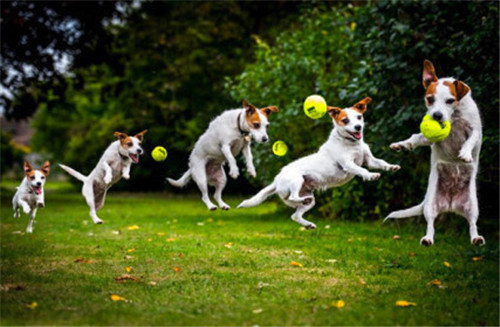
(74, 72)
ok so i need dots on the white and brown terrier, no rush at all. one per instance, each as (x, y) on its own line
(114, 164)
(337, 162)
(226, 136)
(454, 161)
(30, 194)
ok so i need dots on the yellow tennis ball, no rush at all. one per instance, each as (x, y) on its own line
(433, 130)
(315, 106)
(159, 153)
(280, 148)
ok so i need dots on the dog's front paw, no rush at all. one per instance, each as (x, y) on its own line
(465, 156)
(393, 167)
(17, 214)
(371, 177)
(40, 204)
(107, 179)
(29, 230)
(426, 241)
(400, 146)
(479, 241)
(234, 173)
(126, 176)
(26, 209)
(251, 171)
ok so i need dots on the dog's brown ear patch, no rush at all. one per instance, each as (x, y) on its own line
(28, 169)
(140, 136)
(249, 108)
(461, 89)
(361, 105)
(429, 74)
(124, 138)
(267, 110)
(45, 168)
(336, 113)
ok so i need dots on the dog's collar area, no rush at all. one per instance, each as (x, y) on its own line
(242, 132)
(124, 158)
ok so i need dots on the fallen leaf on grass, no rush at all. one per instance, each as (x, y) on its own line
(396, 237)
(327, 227)
(362, 282)
(302, 228)
(123, 278)
(257, 311)
(402, 303)
(447, 264)
(338, 304)
(181, 255)
(296, 264)
(331, 260)
(152, 283)
(434, 282)
(17, 232)
(171, 239)
(82, 260)
(32, 306)
(160, 233)
(129, 269)
(412, 254)
(200, 223)
(175, 221)
(133, 227)
(116, 297)
(130, 250)
(8, 287)
(477, 258)
(228, 245)
(116, 232)
(150, 239)
(210, 220)
(128, 257)
(176, 269)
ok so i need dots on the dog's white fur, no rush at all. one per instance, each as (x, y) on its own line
(338, 161)
(454, 161)
(30, 194)
(114, 164)
(221, 142)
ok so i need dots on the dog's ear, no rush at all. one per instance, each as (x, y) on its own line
(361, 105)
(121, 136)
(45, 168)
(28, 168)
(334, 112)
(140, 136)
(461, 88)
(267, 110)
(249, 108)
(429, 74)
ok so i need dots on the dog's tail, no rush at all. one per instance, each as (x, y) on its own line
(405, 213)
(181, 181)
(259, 197)
(74, 173)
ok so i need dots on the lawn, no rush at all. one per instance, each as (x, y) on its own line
(189, 266)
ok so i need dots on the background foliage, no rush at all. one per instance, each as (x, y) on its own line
(173, 66)
(377, 50)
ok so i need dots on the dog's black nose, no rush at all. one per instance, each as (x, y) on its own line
(139, 151)
(38, 183)
(264, 139)
(357, 127)
(437, 116)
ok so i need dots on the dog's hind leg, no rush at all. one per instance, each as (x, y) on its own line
(219, 180)
(471, 213)
(199, 175)
(430, 215)
(16, 208)
(29, 229)
(296, 183)
(88, 194)
(302, 209)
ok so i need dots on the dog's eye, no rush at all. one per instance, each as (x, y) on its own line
(345, 121)
(130, 144)
(430, 100)
(32, 178)
(140, 143)
(256, 125)
(450, 101)
(43, 177)
(359, 117)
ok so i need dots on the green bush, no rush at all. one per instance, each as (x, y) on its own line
(376, 50)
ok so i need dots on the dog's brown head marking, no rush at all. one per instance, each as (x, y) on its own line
(28, 170)
(45, 168)
(361, 105)
(251, 115)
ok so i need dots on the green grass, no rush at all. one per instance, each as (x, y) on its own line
(234, 267)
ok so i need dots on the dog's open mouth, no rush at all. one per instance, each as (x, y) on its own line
(37, 189)
(134, 157)
(356, 135)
